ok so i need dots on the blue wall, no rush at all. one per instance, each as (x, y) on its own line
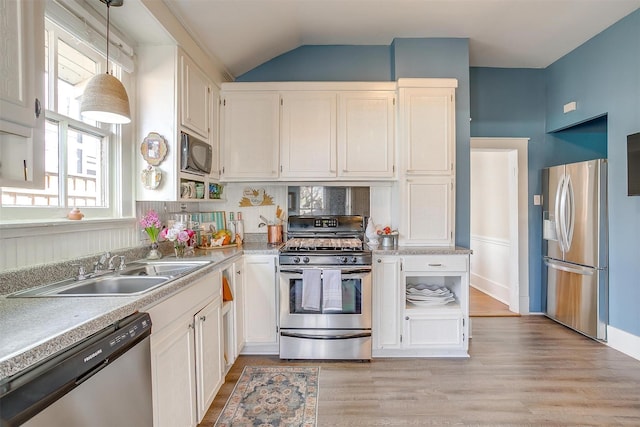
(446, 58)
(325, 63)
(508, 102)
(603, 77)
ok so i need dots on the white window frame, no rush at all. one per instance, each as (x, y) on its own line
(113, 150)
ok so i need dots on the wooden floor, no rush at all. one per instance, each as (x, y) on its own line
(522, 371)
(482, 305)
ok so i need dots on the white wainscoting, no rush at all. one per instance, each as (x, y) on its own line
(42, 243)
(490, 266)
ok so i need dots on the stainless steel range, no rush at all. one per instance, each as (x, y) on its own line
(325, 289)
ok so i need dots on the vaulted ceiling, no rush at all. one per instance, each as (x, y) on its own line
(243, 34)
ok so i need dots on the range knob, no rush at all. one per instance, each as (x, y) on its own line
(354, 260)
(296, 260)
(344, 259)
(305, 260)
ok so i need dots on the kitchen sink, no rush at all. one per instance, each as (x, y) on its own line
(139, 277)
(150, 268)
(109, 285)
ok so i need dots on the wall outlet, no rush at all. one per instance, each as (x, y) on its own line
(537, 199)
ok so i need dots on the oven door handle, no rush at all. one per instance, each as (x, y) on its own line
(326, 337)
(343, 272)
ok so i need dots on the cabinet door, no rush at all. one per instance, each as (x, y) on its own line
(366, 134)
(195, 105)
(260, 309)
(428, 130)
(429, 214)
(387, 300)
(22, 94)
(308, 135)
(239, 305)
(214, 133)
(434, 330)
(250, 135)
(209, 372)
(173, 374)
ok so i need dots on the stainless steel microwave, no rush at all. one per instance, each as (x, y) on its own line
(195, 155)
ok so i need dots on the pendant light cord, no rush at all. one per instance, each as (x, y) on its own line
(108, 2)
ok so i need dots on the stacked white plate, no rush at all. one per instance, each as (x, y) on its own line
(425, 295)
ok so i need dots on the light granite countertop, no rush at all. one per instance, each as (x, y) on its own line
(32, 329)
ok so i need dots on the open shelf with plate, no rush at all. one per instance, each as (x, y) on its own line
(435, 290)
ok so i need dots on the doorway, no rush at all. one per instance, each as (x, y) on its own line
(499, 225)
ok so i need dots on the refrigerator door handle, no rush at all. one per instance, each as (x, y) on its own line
(569, 268)
(571, 217)
(558, 211)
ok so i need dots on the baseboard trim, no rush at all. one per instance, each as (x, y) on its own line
(624, 342)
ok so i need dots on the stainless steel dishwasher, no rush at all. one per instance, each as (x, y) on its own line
(105, 380)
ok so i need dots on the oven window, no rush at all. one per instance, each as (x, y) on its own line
(349, 303)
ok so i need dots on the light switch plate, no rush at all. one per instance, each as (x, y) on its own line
(537, 199)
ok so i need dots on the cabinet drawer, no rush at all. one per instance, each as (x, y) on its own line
(435, 263)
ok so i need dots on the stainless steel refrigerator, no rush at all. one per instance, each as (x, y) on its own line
(575, 245)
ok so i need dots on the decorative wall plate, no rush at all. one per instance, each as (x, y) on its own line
(151, 177)
(154, 148)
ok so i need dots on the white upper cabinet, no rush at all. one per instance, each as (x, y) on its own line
(429, 216)
(311, 130)
(22, 94)
(195, 104)
(308, 135)
(427, 147)
(250, 135)
(427, 125)
(366, 134)
(174, 95)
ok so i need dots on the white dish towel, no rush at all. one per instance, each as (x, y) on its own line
(331, 290)
(311, 285)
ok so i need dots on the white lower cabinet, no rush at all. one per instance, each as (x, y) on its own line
(186, 353)
(387, 319)
(405, 329)
(233, 314)
(260, 308)
(209, 373)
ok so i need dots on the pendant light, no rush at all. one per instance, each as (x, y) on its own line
(105, 98)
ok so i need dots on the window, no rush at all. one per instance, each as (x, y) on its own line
(78, 152)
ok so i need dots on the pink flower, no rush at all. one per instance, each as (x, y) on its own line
(152, 225)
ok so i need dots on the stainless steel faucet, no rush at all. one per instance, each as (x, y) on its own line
(82, 273)
(100, 265)
(122, 264)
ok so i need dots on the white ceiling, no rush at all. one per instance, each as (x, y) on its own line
(243, 34)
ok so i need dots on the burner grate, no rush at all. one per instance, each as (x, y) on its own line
(323, 244)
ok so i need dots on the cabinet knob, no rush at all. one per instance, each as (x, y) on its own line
(238, 272)
(406, 318)
(203, 318)
(191, 326)
(379, 260)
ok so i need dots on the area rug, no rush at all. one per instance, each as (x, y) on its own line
(275, 396)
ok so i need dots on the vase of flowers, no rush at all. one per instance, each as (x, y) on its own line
(181, 237)
(152, 225)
